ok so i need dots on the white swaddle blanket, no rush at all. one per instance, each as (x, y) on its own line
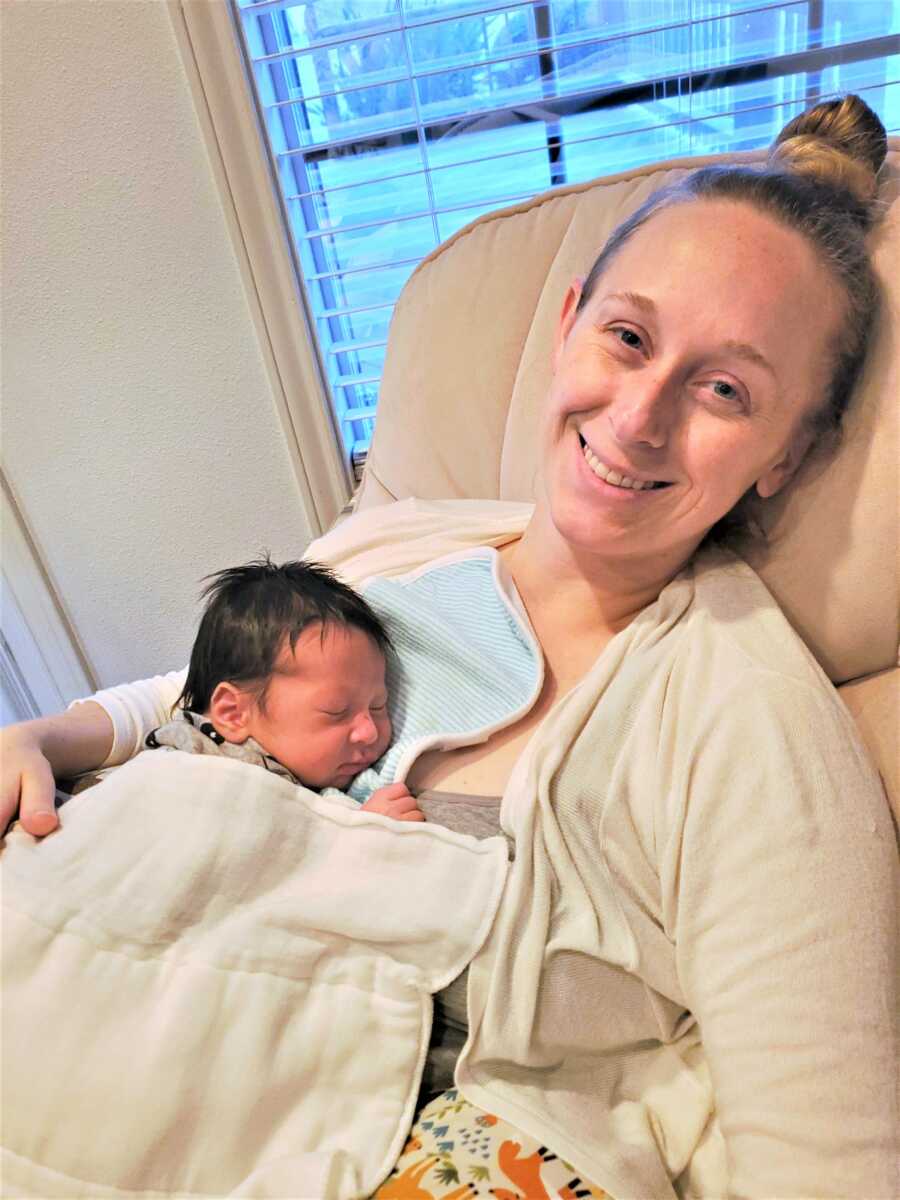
(216, 987)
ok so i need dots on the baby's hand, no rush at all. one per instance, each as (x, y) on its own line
(394, 801)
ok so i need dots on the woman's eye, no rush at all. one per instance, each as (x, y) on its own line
(727, 391)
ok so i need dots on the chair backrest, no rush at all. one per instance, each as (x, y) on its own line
(468, 365)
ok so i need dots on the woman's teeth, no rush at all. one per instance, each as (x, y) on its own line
(613, 477)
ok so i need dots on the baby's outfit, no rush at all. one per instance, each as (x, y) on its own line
(197, 735)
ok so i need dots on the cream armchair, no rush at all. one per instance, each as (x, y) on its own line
(468, 365)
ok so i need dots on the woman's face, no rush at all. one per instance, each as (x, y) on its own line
(687, 372)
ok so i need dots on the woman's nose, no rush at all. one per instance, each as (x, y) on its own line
(364, 730)
(643, 411)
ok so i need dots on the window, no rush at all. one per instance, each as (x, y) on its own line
(392, 123)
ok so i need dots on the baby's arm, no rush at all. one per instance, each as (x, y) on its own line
(394, 801)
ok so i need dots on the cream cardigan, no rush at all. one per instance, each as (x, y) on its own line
(703, 850)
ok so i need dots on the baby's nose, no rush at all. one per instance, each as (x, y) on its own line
(364, 730)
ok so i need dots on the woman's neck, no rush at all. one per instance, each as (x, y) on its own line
(578, 593)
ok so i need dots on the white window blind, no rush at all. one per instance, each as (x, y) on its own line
(392, 123)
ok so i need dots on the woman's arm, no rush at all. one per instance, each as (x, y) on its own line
(33, 752)
(786, 942)
(105, 730)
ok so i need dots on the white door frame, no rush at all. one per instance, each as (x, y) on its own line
(42, 666)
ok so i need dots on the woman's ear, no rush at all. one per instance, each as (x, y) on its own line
(567, 318)
(781, 472)
(230, 711)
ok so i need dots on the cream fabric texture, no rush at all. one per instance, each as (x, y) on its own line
(468, 366)
(700, 841)
(221, 984)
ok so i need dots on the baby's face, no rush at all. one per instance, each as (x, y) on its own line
(324, 715)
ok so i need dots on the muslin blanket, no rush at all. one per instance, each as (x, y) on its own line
(216, 983)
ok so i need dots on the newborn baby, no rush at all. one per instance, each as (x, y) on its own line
(288, 672)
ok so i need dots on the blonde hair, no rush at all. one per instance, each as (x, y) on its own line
(839, 143)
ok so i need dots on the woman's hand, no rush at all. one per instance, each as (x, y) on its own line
(394, 801)
(26, 780)
(33, 752)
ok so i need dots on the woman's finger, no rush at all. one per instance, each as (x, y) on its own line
(37, 799)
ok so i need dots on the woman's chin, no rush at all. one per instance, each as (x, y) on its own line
(596, 530)
(650, 547)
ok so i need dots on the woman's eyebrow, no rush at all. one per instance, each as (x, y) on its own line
(750, 354)
(644, 303)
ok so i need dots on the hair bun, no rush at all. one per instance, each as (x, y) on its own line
(840, 143)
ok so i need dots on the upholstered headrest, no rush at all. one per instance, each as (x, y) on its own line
(468, 366)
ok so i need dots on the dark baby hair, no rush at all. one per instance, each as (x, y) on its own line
(250, 612)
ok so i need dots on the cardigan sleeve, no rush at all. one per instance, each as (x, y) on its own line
(135, 709)
(786, 942)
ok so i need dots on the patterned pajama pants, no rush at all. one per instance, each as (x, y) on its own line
(456, 1151)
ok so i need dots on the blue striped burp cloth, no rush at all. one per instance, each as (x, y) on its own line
(465, 662)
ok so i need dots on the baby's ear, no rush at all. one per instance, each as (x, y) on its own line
(230, 710)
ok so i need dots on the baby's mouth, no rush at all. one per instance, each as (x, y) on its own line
(364, 763)
(608, 475)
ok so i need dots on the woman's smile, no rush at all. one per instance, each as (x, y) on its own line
(618, 478)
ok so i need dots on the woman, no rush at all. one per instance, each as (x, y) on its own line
(688, 987)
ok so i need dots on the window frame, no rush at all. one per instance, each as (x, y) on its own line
(208, 42)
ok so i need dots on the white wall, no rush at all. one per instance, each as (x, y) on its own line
(140, 435)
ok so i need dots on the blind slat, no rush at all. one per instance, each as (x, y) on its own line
(617, 32)
(351, 346)
(619, 95)
(337, 189)
(590, 42)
